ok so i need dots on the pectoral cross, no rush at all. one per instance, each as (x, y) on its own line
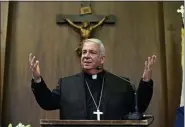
(98, 113)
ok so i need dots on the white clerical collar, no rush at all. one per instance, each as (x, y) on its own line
(94, 76)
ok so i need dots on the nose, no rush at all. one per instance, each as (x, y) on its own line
(86, 55)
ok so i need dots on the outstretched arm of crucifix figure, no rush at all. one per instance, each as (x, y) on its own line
(71, 23)
(99, 23)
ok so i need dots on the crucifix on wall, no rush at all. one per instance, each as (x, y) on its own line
(85, 19)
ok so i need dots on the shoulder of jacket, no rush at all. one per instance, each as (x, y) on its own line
(117, 77)
(69, 77)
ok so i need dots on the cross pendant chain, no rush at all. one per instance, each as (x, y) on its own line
(98, 113)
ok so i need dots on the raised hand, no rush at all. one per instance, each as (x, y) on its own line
(34, 66)
(147, 74)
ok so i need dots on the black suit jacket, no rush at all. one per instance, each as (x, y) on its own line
(69, 97)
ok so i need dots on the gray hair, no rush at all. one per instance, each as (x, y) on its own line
(97, 41)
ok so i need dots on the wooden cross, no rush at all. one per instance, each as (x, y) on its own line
(85, 18)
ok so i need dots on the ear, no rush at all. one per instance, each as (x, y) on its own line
(102, 59)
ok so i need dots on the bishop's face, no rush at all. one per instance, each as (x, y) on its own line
(91, 57)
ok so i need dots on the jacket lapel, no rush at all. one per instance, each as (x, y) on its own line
(104, 100)
(81, 91)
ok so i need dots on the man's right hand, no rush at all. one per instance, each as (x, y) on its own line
(34, 66)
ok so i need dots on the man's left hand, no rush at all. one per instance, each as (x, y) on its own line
(147, 74)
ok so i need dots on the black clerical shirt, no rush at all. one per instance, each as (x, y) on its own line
(95, 86)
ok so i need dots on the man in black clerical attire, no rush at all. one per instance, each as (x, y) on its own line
(93, 93)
